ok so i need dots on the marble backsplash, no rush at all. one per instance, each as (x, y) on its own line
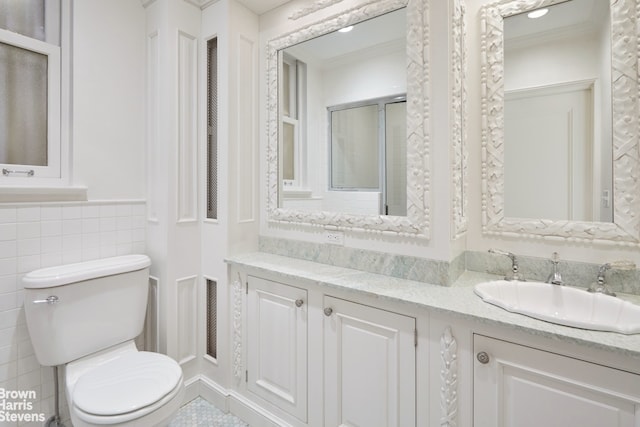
(404, 267)
(446, 273)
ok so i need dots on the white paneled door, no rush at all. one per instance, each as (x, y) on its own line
(277, 345)
(549, 152)
(369, 366)
(518, 386)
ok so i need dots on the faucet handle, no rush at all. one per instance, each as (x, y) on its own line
(515, 275)
(600, 285)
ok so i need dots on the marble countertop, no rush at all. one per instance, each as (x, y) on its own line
(457, 300)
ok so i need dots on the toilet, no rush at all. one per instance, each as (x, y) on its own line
(86, 316)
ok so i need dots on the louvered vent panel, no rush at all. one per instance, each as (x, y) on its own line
(212, 318)
(212, 129)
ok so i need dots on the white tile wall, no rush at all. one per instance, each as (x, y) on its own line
(37, 236)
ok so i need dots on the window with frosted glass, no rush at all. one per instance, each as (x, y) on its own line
(30, 88)
(23, 106)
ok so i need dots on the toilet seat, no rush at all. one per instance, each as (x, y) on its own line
(126, 388)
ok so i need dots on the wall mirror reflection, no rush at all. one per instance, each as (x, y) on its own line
(368, 152)
(557, 112)
(342, 108)
(560, 119)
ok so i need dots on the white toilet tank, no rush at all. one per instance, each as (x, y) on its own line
(77, 309)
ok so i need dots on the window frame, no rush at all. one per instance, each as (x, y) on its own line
(296, 118)
(57, 173)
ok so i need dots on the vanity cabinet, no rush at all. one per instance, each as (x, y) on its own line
(327, 361)
(369, 366)
(516, 385)
(277, 344)
(350, 349)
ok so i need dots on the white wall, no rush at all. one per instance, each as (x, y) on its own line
(108, 98)
(171, 32)
(236, 227)
(569, 59)
(365, 78)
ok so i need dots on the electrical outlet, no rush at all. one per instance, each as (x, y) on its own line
(334, 237)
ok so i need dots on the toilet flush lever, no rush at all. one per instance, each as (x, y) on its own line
(49, 300)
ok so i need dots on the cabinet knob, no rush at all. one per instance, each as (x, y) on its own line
(328, 311)
(299, 303)
(483, 357)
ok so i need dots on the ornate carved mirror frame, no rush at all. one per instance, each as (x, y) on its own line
(625, 229)
(416, 223)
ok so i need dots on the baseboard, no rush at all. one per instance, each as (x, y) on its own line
(238, 405)
(253, 414)
(213, 393)
(191, 390)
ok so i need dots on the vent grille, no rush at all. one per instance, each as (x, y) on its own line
(212, 128)
(212, 318)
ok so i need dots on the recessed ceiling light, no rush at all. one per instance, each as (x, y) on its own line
(537, 13)
(346, 29)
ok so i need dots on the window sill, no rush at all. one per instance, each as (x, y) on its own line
(19, 194)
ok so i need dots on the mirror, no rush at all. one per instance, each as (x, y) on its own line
(317, 172)
(557, 112)
(339, 128)
(560, 119)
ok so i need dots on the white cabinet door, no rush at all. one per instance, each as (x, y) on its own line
(517, 386)
(277, 345)
(369, 366)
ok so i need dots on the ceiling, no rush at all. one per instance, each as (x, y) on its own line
(372, 34)
(262, 6)
(568, 16)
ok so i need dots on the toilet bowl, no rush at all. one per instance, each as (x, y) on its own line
(123, 386)
(85, 316)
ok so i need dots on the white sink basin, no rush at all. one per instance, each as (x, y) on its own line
(563, 305)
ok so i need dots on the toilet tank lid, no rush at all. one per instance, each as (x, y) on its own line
(71, 273)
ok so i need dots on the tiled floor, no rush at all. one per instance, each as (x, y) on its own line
(199, 412)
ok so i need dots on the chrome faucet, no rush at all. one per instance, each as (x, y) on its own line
(600, 285)
(515, 275)
(555, 278)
